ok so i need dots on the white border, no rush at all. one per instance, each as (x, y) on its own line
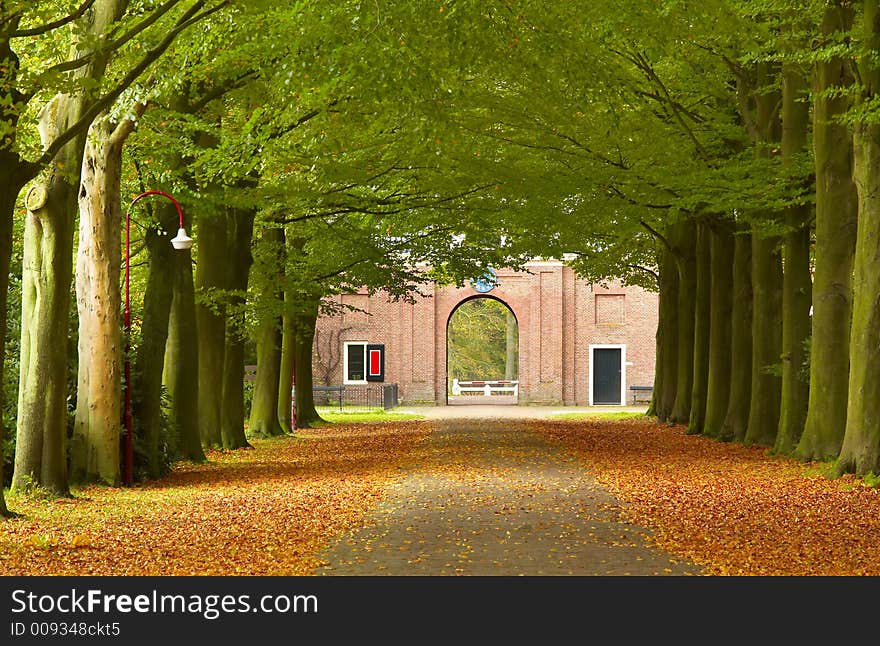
(610, 346)
(345, 379)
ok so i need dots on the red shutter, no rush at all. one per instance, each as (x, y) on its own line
(375, 362)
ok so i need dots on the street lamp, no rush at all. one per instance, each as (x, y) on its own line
(182, 242)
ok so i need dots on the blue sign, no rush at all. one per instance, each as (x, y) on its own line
(486, 282)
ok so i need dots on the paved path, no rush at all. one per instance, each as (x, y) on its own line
(494, 498)
(486, 411)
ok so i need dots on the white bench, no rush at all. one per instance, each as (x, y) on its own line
(486, 387)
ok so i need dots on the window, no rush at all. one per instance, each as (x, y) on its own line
(364, 362)
(355, 363)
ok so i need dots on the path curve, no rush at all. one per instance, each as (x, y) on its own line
(495, 498)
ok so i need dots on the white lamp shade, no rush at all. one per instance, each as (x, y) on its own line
(182, 241)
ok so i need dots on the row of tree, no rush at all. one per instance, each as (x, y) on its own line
(724, 153)
(302, 174)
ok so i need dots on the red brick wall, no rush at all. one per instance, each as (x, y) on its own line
(557, 319)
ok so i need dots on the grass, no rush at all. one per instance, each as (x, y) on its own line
(603, 416)
(365, 416)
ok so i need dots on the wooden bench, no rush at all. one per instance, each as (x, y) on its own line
(641, 393)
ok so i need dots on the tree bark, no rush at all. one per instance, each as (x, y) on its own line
(702, 310)
(286, 377)
(212, 274)
(240, 228)
(41, 440)
(264, 406)
(685, 245)
(736, 420)
(181, 373)
(9, 189)
(46, 276)
(766, 284)
(860, 451)
(663, 396)
(303, 340)
(94, 450)
(150, 356)
(721, 313)
(796, 280)
(836, 225)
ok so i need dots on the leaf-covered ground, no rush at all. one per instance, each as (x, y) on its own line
(733, 509)
(271, 510)
(265, 511)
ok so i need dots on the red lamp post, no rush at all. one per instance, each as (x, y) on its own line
(182, 241)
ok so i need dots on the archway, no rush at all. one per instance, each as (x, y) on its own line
(482, 352)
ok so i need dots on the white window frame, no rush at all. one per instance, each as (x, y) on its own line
(345, 379)
(610, 346)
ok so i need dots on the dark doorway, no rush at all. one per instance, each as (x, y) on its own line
(606, 375)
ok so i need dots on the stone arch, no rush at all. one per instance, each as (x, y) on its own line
(514, 292)
(464, 301)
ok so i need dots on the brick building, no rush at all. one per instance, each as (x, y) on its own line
(579, 343)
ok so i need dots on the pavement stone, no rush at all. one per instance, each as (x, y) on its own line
(495, 498)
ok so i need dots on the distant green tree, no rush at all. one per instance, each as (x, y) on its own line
(479, 340)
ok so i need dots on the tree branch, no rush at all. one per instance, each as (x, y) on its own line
(188, 19)
(67, 66)
(37, 31)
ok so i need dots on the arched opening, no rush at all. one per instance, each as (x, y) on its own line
(482, 353)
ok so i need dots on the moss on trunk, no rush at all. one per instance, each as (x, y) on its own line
(303, 339)
(685, 247)
(240, 227)
(702, 305)
(663, 397)
(181, 374)
(150, 356)
(836, 225)
(721, 312)
(860, 451)
(736, 419)
(212, 274)
(796, 280)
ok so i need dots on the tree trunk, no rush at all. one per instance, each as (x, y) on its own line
(9, 190)
(41, 441)
(181, 373)
(702, 309)
(511, 349)
(264, 406)
(149, 360)
(766, 340)
(766, 285)
(212, 273)
(46, 275)
(240, 228)
(860, 451)
(796, 281)
(736, 420)
(286, 377)
(666, 371)
(836, 224)
(685, 245)
(721, 313)
(303, 339)
(94, 451)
